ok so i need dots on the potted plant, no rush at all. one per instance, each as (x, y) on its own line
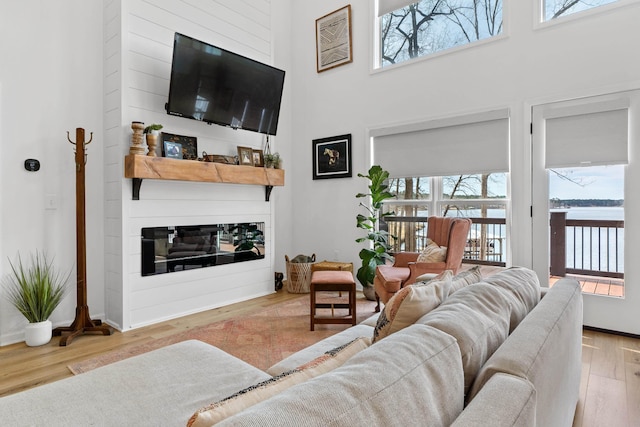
(151, 132)
(246, 237)
(377, 250)
(272, 160)
(36, 291)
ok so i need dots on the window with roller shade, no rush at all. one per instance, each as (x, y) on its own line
(448, 167)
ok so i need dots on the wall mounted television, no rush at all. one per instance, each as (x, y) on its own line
(217, 86)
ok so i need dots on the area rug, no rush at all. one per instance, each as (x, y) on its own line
(260, 339)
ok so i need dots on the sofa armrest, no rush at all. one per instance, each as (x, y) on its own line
(504, 400)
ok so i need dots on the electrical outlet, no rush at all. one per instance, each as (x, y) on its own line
(51, 202)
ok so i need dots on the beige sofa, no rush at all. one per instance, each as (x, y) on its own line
(490, 354)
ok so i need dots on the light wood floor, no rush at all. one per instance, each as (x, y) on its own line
(609, 392)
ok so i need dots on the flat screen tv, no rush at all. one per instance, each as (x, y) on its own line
(217, 86)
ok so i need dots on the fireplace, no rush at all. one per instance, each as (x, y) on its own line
(178, 248)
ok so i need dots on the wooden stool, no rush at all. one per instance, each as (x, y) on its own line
(333, 281)
(332, 266)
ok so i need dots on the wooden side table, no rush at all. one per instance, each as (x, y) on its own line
(328, 280)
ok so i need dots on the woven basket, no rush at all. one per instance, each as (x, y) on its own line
(299, 276)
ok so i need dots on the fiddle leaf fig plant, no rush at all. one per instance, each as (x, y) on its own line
(377, 250)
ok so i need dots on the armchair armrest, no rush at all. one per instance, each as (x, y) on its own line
(420, 268)
(402, 259)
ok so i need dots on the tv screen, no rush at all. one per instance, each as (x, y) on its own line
(217, 86)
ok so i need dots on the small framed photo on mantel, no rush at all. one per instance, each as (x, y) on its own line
(245, 156)
(332, 157)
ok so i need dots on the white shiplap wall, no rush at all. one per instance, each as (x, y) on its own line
(138, 86)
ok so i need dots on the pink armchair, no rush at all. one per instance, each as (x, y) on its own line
(449, 232)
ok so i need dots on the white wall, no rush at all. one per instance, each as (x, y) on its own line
(50, 83)
(582, 57)
(146, 45)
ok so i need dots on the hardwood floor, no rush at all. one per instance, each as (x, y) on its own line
(609, 391)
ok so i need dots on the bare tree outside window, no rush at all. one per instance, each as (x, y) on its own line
(557, 8)
(430, 26)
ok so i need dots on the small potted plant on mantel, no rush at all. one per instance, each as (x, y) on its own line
(272, 160)
(35, 291)
(152, 133)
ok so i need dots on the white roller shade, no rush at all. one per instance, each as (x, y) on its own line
(462, 145)
(593, 138)
(386, 6)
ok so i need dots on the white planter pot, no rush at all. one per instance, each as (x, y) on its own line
(36, 334)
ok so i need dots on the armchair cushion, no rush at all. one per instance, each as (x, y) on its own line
(432, 253)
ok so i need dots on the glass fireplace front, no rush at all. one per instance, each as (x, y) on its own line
(177, 248)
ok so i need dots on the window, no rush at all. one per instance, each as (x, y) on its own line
(411, 30)
(553, 9)
(481, 197)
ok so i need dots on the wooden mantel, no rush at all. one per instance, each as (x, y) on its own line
(140, 167)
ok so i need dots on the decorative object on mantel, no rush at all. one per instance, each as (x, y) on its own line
(152, 133)
(272, 161)
(332, 157)
(137, 139)
(333, 39)
(245, 156)
(258, 158)
(189, 145)
(35, 291)
(83, 322)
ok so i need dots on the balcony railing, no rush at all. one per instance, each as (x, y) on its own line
(586, 247)
(486, 242)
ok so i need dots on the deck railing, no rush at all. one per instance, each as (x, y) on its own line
(486, 242)
(588, 247)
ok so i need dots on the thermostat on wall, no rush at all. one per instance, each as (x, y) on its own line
(32, 165)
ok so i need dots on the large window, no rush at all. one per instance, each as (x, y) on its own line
(553, 9)
(481, 197)
(415, 29)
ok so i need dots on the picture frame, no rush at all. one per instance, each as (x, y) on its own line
(245, 156)
(172, 150)
(332, 157)
(189, 145)
(258, 158)
(333, 39)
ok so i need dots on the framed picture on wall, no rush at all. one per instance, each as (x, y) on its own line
(333, 39)
(332, 157)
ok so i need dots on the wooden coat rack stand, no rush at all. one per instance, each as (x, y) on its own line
(82, 323)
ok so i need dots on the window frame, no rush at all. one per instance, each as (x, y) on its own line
(376, 45)
(540, 23)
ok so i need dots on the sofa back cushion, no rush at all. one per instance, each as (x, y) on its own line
(522, 287)
(478, 317)
(413, 376)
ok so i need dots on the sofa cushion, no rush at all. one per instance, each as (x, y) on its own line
(432, 252)
(478, 317)
(164, 386)
(504, 401)
(410, 303)
(522, 287)
(426, 388)
(546, 349)
(318, 349)
(218, 411)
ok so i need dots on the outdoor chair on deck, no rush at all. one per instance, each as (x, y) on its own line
(450, 233)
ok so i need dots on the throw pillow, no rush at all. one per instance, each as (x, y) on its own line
(411, 303)
(432, 252)
(465, 278)
(218, 411)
